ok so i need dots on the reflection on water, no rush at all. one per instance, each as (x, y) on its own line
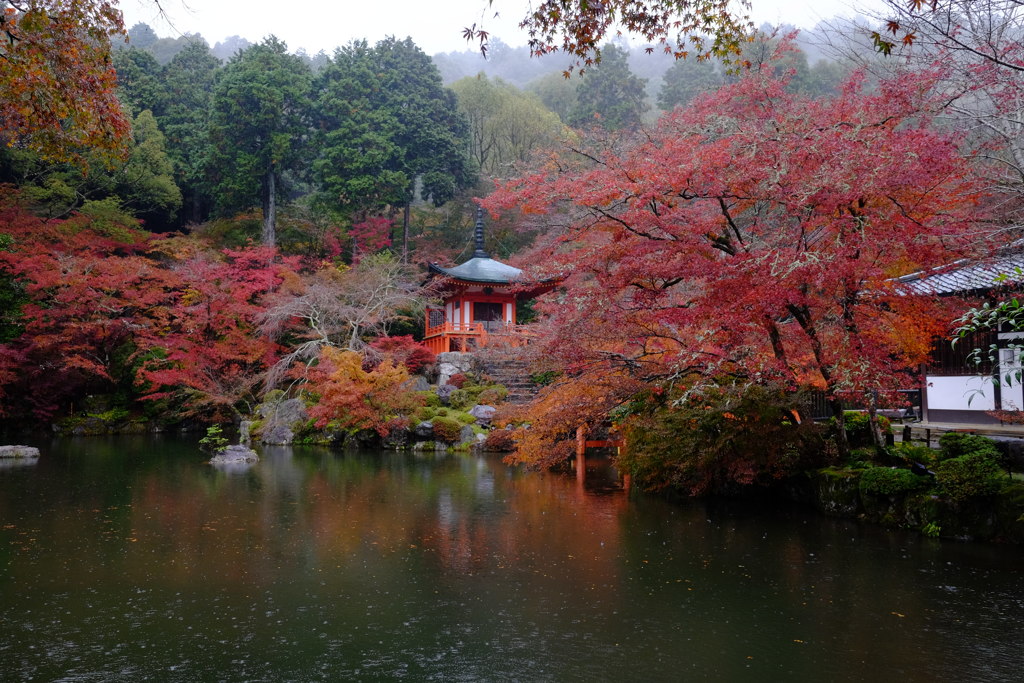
(129, 557)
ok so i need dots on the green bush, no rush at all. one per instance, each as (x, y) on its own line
(430, 398)
(888, 481)
(544, 378)
(459, 399)
(956, 444)
(729, 437)
(861, 457)
(113, 416)
(858, 427)
(913, 453)
(969, 476)
(214, 441)
(447, 429)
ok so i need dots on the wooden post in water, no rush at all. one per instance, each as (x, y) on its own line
(627, 478)
(581, 454)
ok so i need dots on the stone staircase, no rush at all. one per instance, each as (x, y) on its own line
(514, 374)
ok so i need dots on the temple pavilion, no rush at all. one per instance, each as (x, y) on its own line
(479, 301)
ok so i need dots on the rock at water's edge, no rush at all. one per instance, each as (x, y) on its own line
(234, 455)
(281, 420)
(483, 414)
(19, 452)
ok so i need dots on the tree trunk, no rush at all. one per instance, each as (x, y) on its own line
(803, 317)
(876, 428)
(405, 233)
(269, 208)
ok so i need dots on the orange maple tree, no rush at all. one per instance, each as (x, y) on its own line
(700, 29)
(353, 398)
(57, 78)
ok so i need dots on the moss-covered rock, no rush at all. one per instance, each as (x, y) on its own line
(835, 491)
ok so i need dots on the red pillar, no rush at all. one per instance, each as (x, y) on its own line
(581, 454)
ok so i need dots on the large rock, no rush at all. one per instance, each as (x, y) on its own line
(424, 430)
(281, 419)
(483, 414)
(245, 432)
(278, 435)
(417, 383)
(19, 452)
(235, 455)
(453, 363)
(397, 439)
(467, 436)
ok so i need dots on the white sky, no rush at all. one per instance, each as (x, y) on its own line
(435, 26)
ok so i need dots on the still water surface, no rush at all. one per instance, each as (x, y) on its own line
(131, 559)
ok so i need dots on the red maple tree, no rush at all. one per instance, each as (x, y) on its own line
(754, 237)
(109, 308)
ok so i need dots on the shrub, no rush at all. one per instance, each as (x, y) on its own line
(460, 399)
(357, 399)
(500, 440)
(969, 476)
(861, 457)
(447, 429)
(888, 481)
(425, 413)
(544, 378)
(402, 350)
(214, 441)
(458, 380)
(492, 395)
(913, 453)
(430, 398)
(858, 427)
(956, 444)
(726, 438)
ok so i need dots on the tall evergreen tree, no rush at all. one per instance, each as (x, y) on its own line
(258, 128)
(387, 125)
(189, 81)
(144, 184)
(609, 94)
(138, 80)
(686, 79)
(141, 36)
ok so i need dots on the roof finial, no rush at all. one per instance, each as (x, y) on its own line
(478, 235)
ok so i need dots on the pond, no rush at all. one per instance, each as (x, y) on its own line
(130, 558)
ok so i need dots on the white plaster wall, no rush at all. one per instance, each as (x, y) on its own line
(961, 392)
(1012, 393)
(508, 313)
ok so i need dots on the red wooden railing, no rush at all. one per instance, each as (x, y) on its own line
(466, 337)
